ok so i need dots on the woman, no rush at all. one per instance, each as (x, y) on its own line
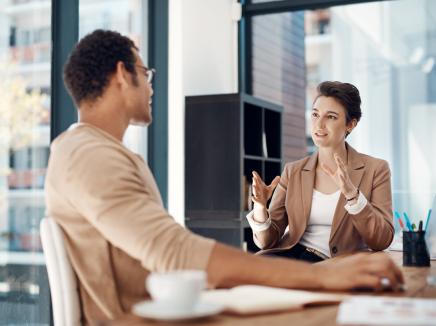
(334, 202)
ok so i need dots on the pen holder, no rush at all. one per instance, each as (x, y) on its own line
(415, 251)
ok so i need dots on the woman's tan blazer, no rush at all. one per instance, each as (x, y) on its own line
(292, 200)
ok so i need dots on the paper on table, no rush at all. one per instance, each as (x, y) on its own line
(369, 310)
(254, 299)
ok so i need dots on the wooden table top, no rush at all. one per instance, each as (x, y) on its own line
(416, 283)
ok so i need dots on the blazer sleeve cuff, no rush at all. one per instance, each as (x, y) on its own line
(256, 226)
(358, 206)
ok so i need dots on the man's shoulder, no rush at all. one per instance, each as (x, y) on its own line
(81, 141)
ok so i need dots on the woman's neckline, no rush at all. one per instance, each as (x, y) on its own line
(330, 194)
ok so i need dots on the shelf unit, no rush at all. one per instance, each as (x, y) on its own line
(227, 137)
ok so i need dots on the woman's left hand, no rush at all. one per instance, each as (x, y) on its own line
(341, 178)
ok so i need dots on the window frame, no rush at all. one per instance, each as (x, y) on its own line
(249, 10)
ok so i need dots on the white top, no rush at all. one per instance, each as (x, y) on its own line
(317, 232)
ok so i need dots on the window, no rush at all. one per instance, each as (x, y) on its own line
(25, 46)
(392, 62)
(128, 18)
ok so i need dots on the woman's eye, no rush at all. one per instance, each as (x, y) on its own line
(332, 117)
(314, 114)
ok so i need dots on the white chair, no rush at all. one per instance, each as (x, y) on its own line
(62, 279)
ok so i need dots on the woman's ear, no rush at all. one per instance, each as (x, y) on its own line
(351, 125)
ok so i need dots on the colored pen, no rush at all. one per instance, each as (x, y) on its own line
(428, 218)
(399, 220)
(409, 226)
(413, 226)
(420, 226)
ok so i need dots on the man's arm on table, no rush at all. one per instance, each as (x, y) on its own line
(229, 267)
(117, 203)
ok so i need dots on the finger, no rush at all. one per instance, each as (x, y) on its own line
(256, 175)
(327, 170)
(340, 163)
(368, 281)
(398, 274)
(338, 159)
(388, 281)
(399, 277)
(385, 269)
(275, 182)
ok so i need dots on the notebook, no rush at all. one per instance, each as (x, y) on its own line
(255, 299)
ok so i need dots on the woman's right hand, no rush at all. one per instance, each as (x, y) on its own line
(261, 192)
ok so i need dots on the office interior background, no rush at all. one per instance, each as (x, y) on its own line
(275, 53)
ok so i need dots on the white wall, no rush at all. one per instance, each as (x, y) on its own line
(203, 54)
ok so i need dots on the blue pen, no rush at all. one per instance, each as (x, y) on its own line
(428, 219)
(409, 225)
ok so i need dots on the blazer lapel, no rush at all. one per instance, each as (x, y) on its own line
(307, 184)
(355, 169)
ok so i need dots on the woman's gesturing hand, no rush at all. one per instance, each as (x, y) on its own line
(341, 178)
(261, 192)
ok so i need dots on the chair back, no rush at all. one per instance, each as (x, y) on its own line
(63, 283)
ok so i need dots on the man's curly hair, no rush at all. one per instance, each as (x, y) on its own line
(94, 60)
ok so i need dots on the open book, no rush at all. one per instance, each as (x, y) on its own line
(254, 299)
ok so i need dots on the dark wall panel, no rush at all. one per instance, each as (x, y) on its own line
(278, 74)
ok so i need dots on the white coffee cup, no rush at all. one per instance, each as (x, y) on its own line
(179, 290)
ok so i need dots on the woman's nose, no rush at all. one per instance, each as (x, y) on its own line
(319, 123)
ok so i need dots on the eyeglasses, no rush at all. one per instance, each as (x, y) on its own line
(148, 72)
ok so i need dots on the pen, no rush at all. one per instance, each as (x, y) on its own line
(413, 226)
(428, 218)
(420, 226)
(409, 226)
(399, 220)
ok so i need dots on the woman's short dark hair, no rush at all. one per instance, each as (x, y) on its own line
(92, 62)
(346, 94)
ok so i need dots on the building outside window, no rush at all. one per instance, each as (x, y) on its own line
(25, 65)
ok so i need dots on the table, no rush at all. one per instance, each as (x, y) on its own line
(416, 282)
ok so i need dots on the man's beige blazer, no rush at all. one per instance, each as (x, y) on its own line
(292, 200)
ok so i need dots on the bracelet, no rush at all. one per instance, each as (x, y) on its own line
(357, 194)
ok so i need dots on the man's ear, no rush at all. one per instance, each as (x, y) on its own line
(121, 75)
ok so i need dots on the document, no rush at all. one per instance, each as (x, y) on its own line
(370, 310)
(254, 299)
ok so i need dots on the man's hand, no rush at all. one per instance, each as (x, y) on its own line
(261, 192)
(363, 270)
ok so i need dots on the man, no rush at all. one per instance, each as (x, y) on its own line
(107, 203)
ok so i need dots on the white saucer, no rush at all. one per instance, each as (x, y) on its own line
(153, 310)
